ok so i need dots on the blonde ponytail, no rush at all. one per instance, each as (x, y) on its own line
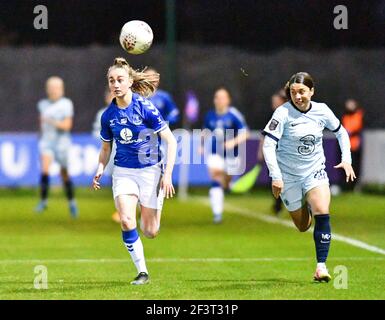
(143, 83)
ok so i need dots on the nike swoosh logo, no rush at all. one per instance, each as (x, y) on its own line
(296, 124)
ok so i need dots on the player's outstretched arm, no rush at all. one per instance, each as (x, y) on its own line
(104, 157)
(166, 183)
(344, 143)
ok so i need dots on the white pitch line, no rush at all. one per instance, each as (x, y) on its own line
(178, 260)
(270, 219)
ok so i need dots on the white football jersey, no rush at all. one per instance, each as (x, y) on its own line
(57, 110)
(299, 136)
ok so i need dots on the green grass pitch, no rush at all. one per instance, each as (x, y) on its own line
(247, 257)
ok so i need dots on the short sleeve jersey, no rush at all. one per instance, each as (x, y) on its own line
(135, 130)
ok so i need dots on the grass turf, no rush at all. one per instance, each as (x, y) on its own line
(244, 258)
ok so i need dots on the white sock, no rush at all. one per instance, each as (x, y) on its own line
(321, 265)
(216, 199)
(137, 255)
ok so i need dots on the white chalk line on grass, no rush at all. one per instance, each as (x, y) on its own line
(179, 260)
(271, 219)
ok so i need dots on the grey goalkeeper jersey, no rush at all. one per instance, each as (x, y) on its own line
(58, 111)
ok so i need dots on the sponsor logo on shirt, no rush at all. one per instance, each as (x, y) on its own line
(307, 145)
(126, 134)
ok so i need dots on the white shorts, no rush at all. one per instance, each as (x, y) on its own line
(143, 182)
(294, 192)
(58, 151)
(230, 165)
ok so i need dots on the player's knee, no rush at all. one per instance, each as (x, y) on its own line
(127, 223)
(150, 233)
(320, 210)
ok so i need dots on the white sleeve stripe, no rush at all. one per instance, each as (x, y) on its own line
(237, 114)
(162, 128)
(106, 140)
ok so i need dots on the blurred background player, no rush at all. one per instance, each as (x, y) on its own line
(223, 160)
(96, 127)
(164, 102)
(297, 163)
(277, 99)
(137, 174)
(353, 122)
(56, 115)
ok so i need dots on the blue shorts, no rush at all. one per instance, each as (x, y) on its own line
(294, 192)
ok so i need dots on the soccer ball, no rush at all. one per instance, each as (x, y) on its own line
(136, 37)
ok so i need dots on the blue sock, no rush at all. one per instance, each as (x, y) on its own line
(129, 237)
(322, 236)
(215, 184)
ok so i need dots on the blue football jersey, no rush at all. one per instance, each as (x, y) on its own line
(219, 123)
(166, 105)
(135, 131)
